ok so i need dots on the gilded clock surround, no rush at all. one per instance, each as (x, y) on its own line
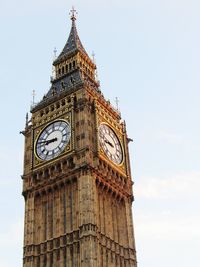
(78, 206)
(37, 132)
(120, 140)
(61, 149)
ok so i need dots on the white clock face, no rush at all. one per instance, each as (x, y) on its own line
(53, 139)
(110, 144)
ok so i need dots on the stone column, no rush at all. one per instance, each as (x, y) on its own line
(131, 238)
(61, 258)
(87, 216)
(48, 260)
(68, 256)
(29, 221)
(131, 241)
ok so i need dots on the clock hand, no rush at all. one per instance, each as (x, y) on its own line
(41, 142)
(46, 142)
(51, 140)
(108, 142)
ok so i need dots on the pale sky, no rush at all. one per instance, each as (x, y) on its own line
(147, 54)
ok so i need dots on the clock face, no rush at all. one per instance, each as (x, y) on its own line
(53, 139)
(110, 144)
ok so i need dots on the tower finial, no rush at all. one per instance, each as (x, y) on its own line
(53, 67)
(117, 103)
(33, 95)
(55, 53)
(26, 120)
(93, 57)
(73, 13)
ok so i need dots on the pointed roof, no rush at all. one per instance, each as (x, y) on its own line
(72, 80)
(73, 43)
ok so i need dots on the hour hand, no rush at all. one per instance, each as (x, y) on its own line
(51, 140)
(108, 142)
(46, 142)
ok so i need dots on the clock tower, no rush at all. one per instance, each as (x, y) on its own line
(77, 181)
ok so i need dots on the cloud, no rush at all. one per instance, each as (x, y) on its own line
(169, 186)
(166, 207)
(11, 243)
(170, 137)
(167, 226)
(14, 233)
(8, 175)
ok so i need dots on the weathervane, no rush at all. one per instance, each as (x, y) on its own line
(73, 13)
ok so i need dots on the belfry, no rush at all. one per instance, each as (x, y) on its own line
(77, 181)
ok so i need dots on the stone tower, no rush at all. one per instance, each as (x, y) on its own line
(77, 181)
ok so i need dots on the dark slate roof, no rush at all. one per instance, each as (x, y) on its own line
(66, 83)
(73, 43)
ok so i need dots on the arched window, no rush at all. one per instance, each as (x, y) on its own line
(58, 105)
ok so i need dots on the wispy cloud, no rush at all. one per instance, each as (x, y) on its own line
(167, 186)
(13, 232)
(167, 226)
(167, 207)
(11, 243)
(170, 137)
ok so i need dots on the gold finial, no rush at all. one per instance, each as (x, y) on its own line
(53, 67)
(93, 57)
(27, 119)
(117, 103)
(33, 94)
(73, 13)
(55, 53)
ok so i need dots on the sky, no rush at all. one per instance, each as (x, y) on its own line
(147, 54)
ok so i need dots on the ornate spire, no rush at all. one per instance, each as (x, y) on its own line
(72, 68)
(73, 43)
